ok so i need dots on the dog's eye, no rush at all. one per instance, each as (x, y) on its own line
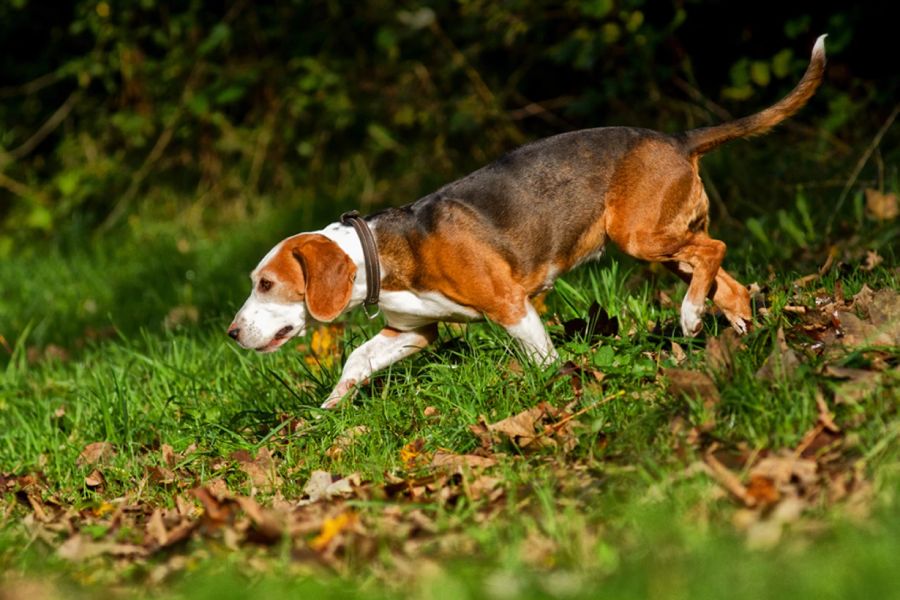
(265, 285)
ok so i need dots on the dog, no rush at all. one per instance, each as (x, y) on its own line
(482, 246)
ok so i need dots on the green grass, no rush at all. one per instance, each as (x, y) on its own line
(624, 513)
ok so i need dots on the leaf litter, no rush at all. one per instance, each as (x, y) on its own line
(338, 520)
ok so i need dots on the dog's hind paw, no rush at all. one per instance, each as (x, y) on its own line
(739, 325)
(691, 318)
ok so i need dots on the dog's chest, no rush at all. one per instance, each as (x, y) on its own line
(408, 310)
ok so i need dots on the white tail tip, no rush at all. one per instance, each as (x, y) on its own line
(819, 48)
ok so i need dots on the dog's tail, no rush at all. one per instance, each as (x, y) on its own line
(701, 141)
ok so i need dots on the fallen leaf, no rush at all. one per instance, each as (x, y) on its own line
(96, 453)
(785, 468)
(678, 353)
(80, 547)
(695, 384)
(266, 527)
(881, 206)
(411, 454)
(168, 456)
(781, 363)
(520, 428)
(95, 479)
(459, 461)
(161, 475)
(873, 259)
(322, 486)
(763, 491)
(262, 471)
(720, 351)
(826, 418)
(156, 528)
(331, 528)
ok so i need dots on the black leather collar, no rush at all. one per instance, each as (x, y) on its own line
(370, 256)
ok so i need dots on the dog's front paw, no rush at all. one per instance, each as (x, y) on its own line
(691, 318)
(340, 391)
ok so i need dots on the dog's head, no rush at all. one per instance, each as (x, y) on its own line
(306, 275)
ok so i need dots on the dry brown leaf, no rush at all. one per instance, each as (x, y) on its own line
(695, 384)
(168, 455)
(322, 486)
(262, 471)
(80, 547)
(720, 351)
(95, 479)
(317, 485)
(826, 417)
(156, 528)
(781, 362)
(459, 461)
(678, 353)
(161, 475)
(213, 510)
(881, 206)
(786, 469)
(267, 528)
(762, 490)
(873, 259)
(520, 428)
(96, 453)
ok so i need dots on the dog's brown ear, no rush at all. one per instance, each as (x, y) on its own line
(329, 275)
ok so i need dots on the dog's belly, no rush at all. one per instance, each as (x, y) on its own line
(407, 310)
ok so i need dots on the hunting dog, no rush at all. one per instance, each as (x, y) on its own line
(482, 246)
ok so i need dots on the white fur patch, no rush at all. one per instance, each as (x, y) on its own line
(532, 335)
(691, 317)
(408, 310)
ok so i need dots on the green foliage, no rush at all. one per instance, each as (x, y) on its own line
(220, 104)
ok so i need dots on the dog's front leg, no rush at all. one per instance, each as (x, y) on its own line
(383, 350)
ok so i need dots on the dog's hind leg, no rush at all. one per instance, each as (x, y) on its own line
(728, 294)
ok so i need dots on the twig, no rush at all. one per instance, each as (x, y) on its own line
(41, 134)
(18, 188)
(555, 427)
(727, 479)
(859, 166)
(697, 96)
(30, 87)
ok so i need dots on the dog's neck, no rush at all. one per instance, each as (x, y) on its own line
(348, 240)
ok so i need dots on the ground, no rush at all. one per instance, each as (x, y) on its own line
(143, 453)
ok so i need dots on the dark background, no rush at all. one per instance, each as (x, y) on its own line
(152, 108)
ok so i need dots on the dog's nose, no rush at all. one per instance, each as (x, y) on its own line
(234, 332)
